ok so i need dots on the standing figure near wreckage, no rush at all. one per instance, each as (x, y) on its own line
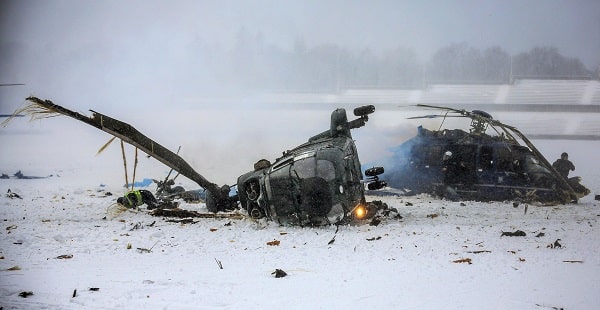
(455, 172)
(449, 168)
(563, 165)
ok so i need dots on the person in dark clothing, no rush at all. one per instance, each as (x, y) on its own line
(563, 165)
(137, 198)
(455, 170)
(450, 169)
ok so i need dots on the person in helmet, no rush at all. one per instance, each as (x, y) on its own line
(563, 165)
(137, 198)
(449, 170)
(447, 166)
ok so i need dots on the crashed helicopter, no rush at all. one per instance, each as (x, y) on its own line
(317, 183)
(494, 162)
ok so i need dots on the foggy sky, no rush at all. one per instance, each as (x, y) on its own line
(516, 25)
(110, 50)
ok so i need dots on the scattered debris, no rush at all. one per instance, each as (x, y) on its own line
(168, 204)
(391, 212)
(432, 216)
(137, 225)
(219, 263)
(183, 221)
(25, 294)
(274, 242)
(550, 307)
(540, 235)
(555, 245)
(20, 175)
(144, 250)
(332, 240)
(374, 238)
(143, 183)
(463, 260)
(11, 195)
(65, 256)
(517, 233)
(375, 221)
(182, 213)
(479, 252)
(279, 273)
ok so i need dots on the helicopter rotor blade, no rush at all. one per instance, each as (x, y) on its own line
(433, 116)
(442, 108)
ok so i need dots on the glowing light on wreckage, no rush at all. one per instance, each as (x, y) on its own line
(359, 212)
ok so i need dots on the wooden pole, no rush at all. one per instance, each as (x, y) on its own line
(124, 162)
(134, 167)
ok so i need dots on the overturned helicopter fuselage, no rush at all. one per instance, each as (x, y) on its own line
(318, 182)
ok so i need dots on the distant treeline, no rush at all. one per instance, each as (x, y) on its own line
(330, 67)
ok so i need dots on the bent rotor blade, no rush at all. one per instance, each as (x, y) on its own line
(441, 108)
(129, 134)
(433, 116)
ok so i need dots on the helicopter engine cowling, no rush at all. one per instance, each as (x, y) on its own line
(375, 185)
(375, 171)
(364, 110)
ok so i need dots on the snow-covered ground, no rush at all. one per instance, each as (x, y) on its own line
(61, 242)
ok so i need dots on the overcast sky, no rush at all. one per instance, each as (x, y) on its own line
(571, 25)
(107, 50)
